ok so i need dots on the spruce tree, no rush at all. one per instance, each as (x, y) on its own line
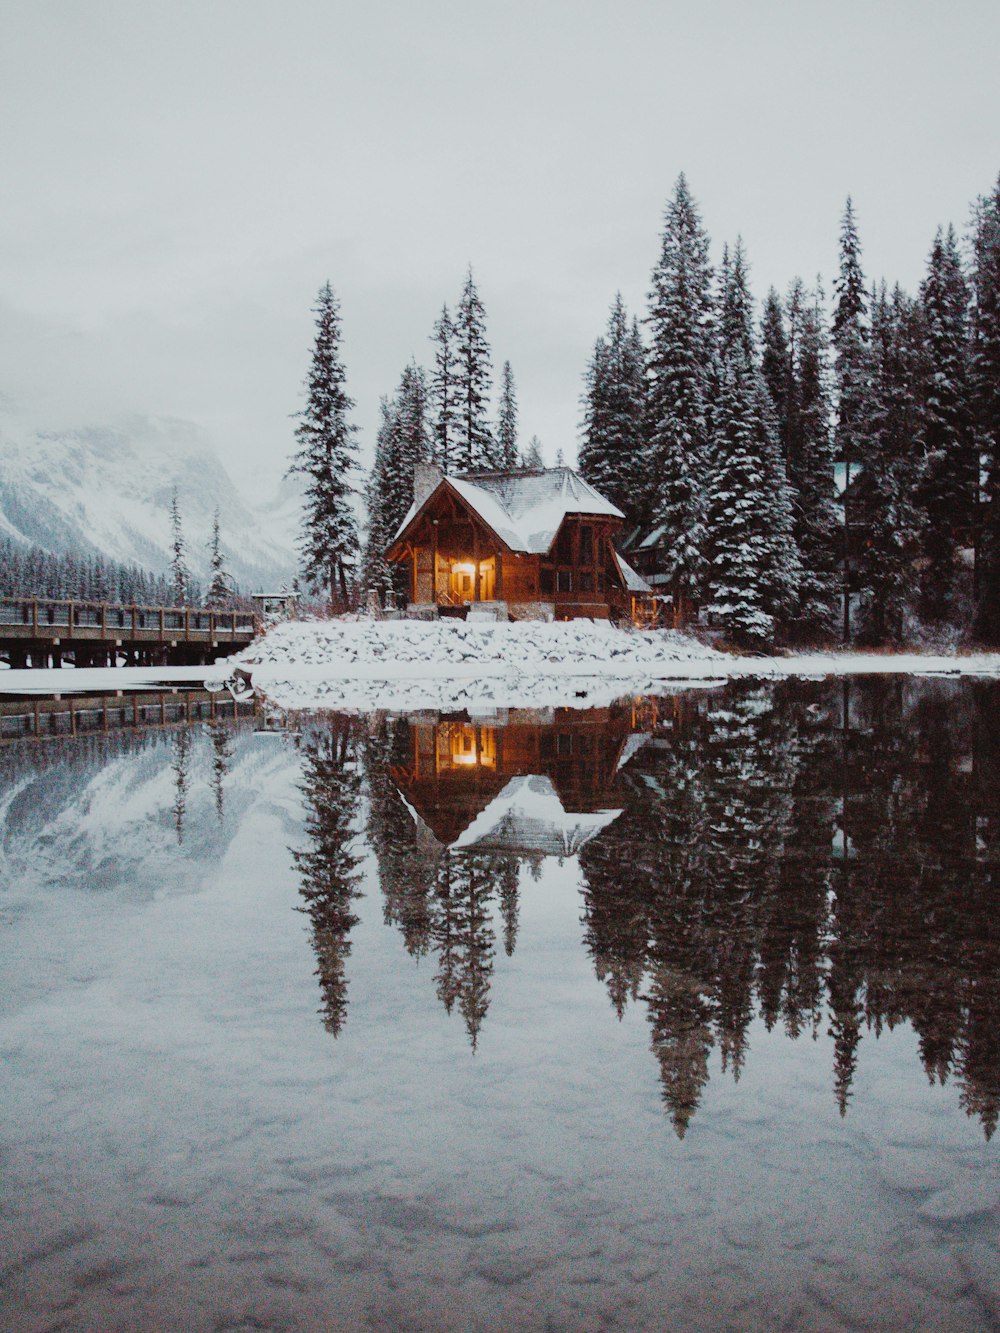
(326, 457)
(612, 447)
(948, 488)
(776, 367)
(886, 488)
(817, 528)
(754, 566)
(180, 577)
(376, 572)
(219, 588)
(680, 311)
(443, 391)
(475, 448)
(402, 442)
(986, 401)
(506, 434)
(852, 369)
(533, 460)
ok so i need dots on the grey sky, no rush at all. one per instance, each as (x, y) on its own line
(179, 178)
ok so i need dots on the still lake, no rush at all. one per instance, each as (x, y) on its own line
(682, 1014)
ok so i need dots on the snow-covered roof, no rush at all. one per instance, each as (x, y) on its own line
(633, 582)
(524, 509)
(528, 816)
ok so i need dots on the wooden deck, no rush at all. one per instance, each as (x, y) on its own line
(94, 715)
(38, 632)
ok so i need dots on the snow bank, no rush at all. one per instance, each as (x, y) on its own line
(453, 664)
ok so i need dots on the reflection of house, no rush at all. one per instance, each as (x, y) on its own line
(526, 784)
(533, 543)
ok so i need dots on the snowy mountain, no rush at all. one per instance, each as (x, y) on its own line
(108, 490)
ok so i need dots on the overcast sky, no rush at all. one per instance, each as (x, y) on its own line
(178, 179)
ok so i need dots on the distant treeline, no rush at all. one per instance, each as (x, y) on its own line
(32, 572)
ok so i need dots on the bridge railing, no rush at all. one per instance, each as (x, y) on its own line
(46, 616)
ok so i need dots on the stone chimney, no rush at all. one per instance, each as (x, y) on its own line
(425, 478)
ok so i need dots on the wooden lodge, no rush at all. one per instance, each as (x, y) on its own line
(527, 545)
(528, 782)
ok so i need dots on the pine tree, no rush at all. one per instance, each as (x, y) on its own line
(885, 497)
(680, 311)
(852, 369)
(444, 393)
(986, 399)
(326, 457)
(776, 363)
(403, 440)
(612, 448)
(475, 448)
(506, 435)
(220, 585)
(376, 571)
(748, 531)
(810, 461)
(532, 460)
(180, 577)
(948, 488)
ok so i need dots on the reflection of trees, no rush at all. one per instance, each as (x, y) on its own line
(179, 767)
(328, 866)
(222, 752)
(441, 901)
(806, 852)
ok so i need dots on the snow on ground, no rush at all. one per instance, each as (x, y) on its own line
(411, 664)
(452, 664)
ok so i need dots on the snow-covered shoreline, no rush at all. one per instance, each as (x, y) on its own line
(400, 665)
(451, 664)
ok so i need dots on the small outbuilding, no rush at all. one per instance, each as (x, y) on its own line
(531, 545)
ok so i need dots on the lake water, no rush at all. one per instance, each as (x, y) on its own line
(682, 1014)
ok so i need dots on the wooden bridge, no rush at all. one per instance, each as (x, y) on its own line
(95, 715)
(38, 632)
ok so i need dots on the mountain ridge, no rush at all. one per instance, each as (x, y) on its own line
(107, 490)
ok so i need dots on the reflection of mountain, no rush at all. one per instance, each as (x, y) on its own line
(135, 807)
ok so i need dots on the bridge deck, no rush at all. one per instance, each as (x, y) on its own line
(46, 624)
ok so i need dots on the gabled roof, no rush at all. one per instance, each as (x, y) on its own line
(524, 509)
(528, 816)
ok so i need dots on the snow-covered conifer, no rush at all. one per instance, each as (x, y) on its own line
(948, 486)
(533, 460)
(852, 365)
(180, 576)
(475, 447)
(612, 445)
(754, 565)
(818, 532)
(885, 488)
(220, 584)
(986, 388)
(443, 392)
(506, 433)
(326, 457)
(680, 311)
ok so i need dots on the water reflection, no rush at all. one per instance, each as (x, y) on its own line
(822, 856)
(328, 866)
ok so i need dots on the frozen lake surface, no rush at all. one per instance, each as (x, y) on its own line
(677, 1014)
